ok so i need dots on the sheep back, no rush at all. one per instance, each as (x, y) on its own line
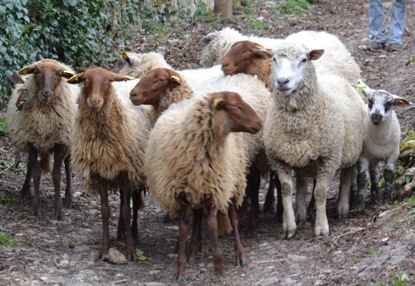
(178, 168)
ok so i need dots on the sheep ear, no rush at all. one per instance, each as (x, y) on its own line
(400, 101)
(67, 74)
(76, 78)
(120, 77)
(217, 102)
(27, 70)
(17, 79)
(124, 55)
(361, 86)
(209, 37)
(315, 54)
(175, 79)
(262, 51)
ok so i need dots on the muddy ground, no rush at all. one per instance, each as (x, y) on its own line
(376, 247)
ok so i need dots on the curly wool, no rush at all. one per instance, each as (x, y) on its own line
(221, 41)
(323, 120)
(336, 58)
(43, 125)
(110, 144)
(191, 159)
(141, 63)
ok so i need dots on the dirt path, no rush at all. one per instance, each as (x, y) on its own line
(373, 248)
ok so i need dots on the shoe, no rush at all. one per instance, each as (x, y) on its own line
(394, 47)
(375, 46)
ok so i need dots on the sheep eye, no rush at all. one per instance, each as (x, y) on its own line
(370, 103)
(303, 61)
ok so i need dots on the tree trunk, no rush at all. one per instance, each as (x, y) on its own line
(223, 8)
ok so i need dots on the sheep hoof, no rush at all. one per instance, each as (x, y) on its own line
(180, 281)
(67, 203)
(241, 263)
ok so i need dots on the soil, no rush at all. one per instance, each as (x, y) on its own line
(376, 247)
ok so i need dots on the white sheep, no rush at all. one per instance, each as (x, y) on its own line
(195, 161)
(382, 137)
(313, 126)
(108, 143)
(40, 117)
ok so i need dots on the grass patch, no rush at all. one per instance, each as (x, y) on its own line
(7, 241)
(395, 280)
(3, 127)
(295, 6)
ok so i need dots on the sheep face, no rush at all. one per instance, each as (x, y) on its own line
(242, 117)
(47, 74)
(243, 57)
(291, 65)
(97, 85)
(153, 86)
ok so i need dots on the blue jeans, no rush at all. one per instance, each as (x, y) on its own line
(377, 19)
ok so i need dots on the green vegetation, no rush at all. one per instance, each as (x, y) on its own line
(295, 6)
(6, 241)
(258, 25)
(3, 127)
(395, 280)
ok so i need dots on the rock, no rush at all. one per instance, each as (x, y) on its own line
(114, 256)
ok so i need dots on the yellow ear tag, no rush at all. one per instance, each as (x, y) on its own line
(175, 78)
(216, 102)
(73, 78)
(259, 47)
(124, 55)
(361, 85)
(128, 77)
(24, 71)
(68, 73)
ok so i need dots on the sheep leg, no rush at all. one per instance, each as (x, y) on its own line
(346, 176)
(280, 208)
(25, 191)
(270, 197)
(322, 225)
(312, 204)
(239, 250)
(218, 262)
(197, 233)
(36, 173)
(181, 258)
(388, 191)
(68, 191)
(136, 206)
(301, 199)
(289, 226)
(59, 155)
(374, 182)
(358, 200)
(121, 223)
(105, 215)
(253, 184)
(126, 214)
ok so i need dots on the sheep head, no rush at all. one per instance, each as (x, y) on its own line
(47, 75)
(291, 66)
(97, 85)
(154, 85)
(242, 117)
(245, 57)
(380, 102)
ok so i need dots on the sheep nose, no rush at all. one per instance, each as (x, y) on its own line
(132, 94)
(45, 95)
(376, 118)
(283, 81)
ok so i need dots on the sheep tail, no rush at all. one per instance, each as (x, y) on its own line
(224, 223)
(45, 163)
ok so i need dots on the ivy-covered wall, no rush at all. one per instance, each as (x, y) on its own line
(80, 33)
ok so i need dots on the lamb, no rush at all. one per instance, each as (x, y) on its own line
(40, 117)
(382, 139)
(108, 143)
(313, 126)
(194, 160)
(218, 44)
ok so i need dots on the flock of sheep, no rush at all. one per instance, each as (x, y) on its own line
(200, 139)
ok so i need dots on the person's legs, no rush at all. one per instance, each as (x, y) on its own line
(397, 22)
(376, 19)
